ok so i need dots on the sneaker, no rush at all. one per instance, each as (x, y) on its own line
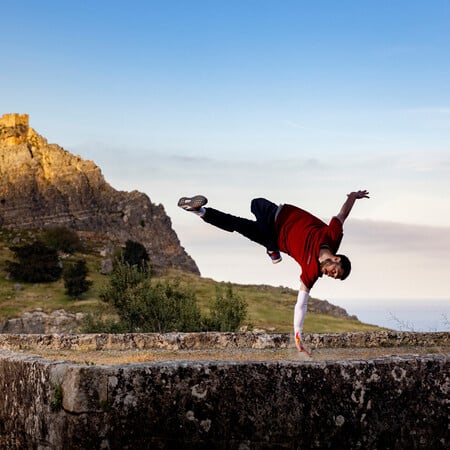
(192, 203)
(274, 255)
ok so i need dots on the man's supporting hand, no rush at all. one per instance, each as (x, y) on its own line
(299, 316)
(298, 343)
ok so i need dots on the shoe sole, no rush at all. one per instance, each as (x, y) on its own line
(192, 203)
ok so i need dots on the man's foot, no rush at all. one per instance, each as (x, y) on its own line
(274, 255)
(192, 203)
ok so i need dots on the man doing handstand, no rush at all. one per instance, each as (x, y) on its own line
(292, 230)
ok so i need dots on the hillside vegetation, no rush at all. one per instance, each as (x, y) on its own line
(269, 308)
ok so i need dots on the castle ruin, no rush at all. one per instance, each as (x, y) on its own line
(14, 120)
(14, 128)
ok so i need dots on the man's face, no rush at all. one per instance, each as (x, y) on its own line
(332, 268)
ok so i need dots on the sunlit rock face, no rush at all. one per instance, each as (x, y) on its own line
(43, 185)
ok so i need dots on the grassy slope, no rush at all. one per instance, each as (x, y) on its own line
(270, 308)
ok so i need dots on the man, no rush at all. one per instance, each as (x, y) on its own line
(292, 230)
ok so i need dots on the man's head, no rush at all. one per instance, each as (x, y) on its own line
(338, 267)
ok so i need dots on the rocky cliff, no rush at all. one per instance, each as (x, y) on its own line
(43, 185)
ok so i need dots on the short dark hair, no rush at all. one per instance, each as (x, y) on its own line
(346, 266)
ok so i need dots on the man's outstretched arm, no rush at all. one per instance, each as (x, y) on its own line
(348, 205)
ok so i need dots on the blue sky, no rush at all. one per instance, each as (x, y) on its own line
(297, 101)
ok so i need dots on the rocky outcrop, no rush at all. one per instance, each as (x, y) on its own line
(40, 322)
(325, 307)
(43, 185)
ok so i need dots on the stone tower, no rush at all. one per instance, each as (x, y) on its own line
(14, 129)
(13, 120)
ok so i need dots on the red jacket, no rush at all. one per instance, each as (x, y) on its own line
(300, 235)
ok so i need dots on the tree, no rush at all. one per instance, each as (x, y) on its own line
(145, 306)
(62, 239)
(35, 263)
(135, 254)
(74, 276)
(227, 312)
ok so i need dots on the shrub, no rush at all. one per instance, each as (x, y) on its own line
(74, 276)
(135, 254)
(160, 307)
(36, 262)
(56, 403)
(227, 312)
(123, 278)
(145, 306)
(94, 323)
(62, 239)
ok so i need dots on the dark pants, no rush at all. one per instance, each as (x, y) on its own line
(261, 230)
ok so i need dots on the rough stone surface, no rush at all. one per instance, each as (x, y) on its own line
(40, 322)
(390, 403)
(43, 185)
(216, 340)
(397, 402)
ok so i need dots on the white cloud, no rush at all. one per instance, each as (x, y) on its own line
(399, 238)
(405, 187)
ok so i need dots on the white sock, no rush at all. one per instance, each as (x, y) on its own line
(200, 212)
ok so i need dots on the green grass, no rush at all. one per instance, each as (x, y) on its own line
(269, 307)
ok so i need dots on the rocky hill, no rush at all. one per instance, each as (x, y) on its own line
(43, 185)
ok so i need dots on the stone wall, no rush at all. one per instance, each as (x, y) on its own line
(385, 403)
(216, 340)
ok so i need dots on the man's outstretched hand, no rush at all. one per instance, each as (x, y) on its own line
(348, 205)
(359, 194)
(299, 345)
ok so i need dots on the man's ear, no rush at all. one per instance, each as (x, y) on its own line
(336, 259)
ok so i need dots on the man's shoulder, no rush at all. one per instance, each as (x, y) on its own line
(336, 225)
(309, 277)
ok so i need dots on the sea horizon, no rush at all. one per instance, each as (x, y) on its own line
(421, 315)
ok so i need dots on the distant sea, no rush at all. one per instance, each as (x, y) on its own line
(401, 314)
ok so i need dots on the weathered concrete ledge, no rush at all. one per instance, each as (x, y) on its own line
(390, 403)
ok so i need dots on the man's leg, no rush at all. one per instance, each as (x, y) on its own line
(228, 222)
(261, 231)
(264, 211)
